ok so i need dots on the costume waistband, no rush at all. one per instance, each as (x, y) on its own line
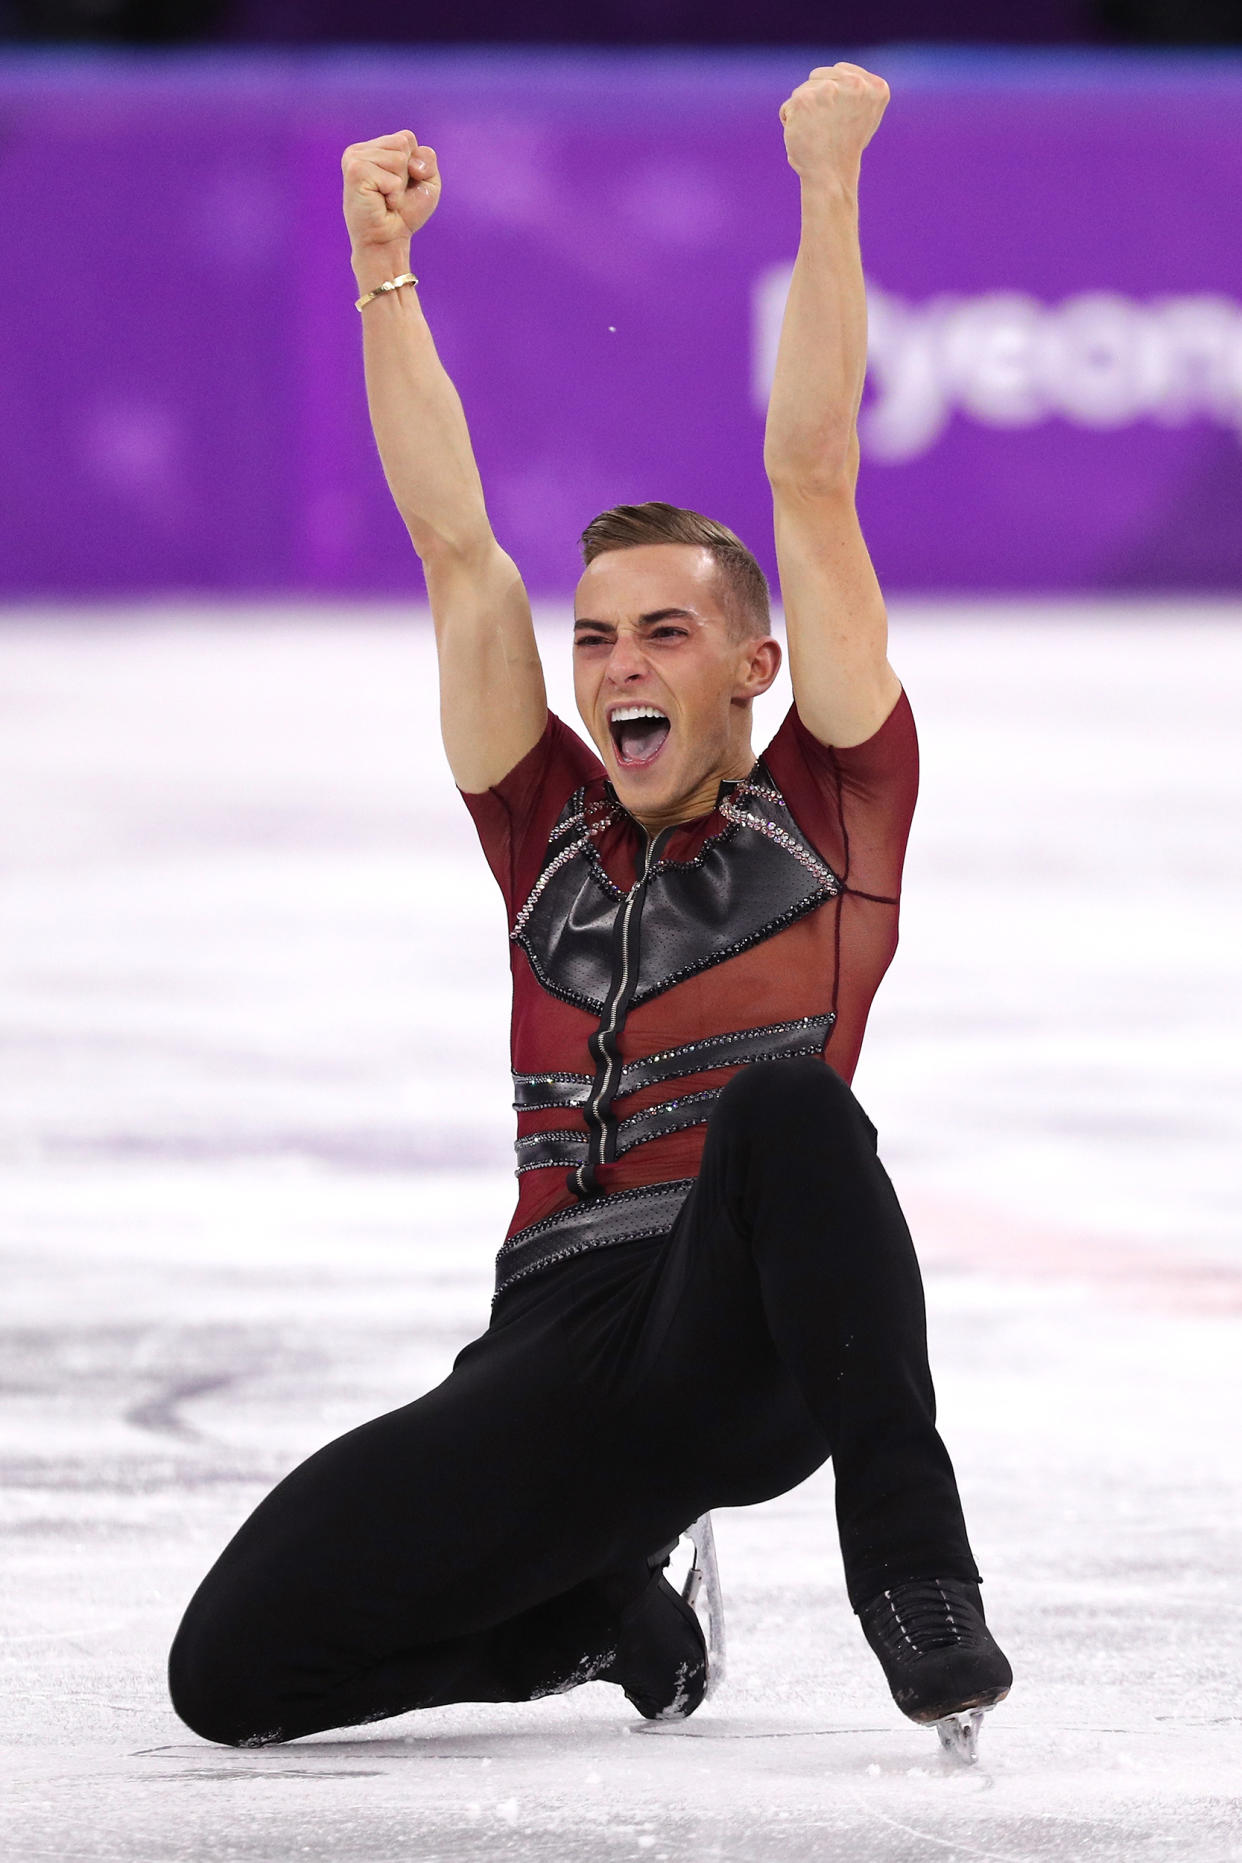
(597, 1222)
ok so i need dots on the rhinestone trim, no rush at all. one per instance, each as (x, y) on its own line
(533, 1141)
(567, 1089)
(689, 1052)
(655, 1122)
(564, 1089)
(590, 1003)
(758, 786)
(564, 1254)
(623, 1216)
(630, 1131)
(598, 1208)
(592, 829)
(774, 832)
(810, 904)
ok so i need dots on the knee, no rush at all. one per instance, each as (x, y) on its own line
(212, 1688)
(796, 1099)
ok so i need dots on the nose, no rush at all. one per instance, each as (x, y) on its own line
(626, 662)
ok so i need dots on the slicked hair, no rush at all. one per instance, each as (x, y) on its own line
(747, 597)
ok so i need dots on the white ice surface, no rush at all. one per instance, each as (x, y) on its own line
(251, 1184)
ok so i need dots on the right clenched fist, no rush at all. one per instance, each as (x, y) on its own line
(391, 189)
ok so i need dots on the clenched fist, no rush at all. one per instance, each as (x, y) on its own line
(391, 189)
(830, 119)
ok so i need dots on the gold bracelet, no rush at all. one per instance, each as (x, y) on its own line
(389, 284)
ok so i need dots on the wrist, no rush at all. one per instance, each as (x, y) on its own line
(373, 264)
(829, 189)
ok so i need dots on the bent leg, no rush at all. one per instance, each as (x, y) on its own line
(239, 1696)
(793, 1209)
(453, 1550)
(435, 1554)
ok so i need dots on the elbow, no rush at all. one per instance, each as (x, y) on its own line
(444, 544)
(810, 480)
(817, 469)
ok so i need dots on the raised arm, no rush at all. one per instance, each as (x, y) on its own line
(493, 706)
(837, 629)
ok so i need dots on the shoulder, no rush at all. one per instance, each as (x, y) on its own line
(888, 755)
(850, 797)
(559, 759)
(516, 815)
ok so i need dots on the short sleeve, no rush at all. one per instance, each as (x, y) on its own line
(854, 804)
(516, 815)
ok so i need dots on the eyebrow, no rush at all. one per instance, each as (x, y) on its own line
(647, 620)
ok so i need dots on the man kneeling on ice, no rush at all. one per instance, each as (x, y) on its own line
(708, 1286)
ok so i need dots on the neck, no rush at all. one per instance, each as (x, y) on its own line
(701, 800)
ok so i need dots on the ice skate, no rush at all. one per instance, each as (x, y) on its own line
(959, 1735)
(701, 1590)
(941, 1662)
(670, 1640)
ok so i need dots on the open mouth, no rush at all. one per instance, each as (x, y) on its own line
(639, 733)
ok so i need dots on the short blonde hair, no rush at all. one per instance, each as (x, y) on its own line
(746, 593)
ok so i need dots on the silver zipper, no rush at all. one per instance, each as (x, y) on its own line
(606, 1035)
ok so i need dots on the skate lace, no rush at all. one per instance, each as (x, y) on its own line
(920, 1616)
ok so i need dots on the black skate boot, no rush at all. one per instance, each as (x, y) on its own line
(942, 1664)
(664, 1662)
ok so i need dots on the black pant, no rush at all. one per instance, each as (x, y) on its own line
(459, 1548)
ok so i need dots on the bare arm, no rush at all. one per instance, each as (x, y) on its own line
(834, 612)
(493, 706)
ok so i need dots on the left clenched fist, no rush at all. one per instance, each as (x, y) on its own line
(831, 118)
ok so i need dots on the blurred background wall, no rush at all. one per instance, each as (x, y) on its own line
(1049, 234)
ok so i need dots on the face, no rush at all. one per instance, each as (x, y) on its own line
(661, 685)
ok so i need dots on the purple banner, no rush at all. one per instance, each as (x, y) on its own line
(1055, 392)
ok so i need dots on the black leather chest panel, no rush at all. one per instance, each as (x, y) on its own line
(747, 882)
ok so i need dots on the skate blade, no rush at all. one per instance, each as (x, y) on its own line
(959, 1735)
(701, 1590)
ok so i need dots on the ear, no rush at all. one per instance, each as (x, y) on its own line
(759, 667)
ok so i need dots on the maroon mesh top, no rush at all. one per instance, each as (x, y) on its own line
(759, 930)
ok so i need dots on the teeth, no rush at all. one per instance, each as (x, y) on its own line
(625, 712)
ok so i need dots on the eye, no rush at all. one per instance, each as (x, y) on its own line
(678, 633)
(589, 640)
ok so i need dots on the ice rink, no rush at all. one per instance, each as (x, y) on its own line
(253, 1178)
